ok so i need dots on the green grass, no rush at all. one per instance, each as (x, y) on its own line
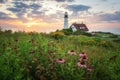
(32, 56)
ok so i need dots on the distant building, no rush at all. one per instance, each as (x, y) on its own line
(76, 26)
(66, 20)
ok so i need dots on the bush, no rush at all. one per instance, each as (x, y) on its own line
(87, 34)
(114, 36)
(80, 32)
(67, 31)
(57, 35)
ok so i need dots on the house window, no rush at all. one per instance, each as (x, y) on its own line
(82, 27)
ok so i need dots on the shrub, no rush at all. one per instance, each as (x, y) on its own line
(57, 35)
(87, 34)
(114, 36)
(117, 40)
(67, 31)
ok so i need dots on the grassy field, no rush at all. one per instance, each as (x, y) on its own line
(33, 56)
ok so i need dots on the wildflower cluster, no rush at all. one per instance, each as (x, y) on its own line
(72, 52)
(82, 61)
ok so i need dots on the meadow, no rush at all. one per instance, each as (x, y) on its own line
(40, 56)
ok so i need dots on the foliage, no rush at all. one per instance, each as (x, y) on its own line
(117, 40)
(114, 36)
(67, 31)
(78, 32)
(32, 56)
(57, 35)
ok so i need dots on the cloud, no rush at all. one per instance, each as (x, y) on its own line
(20, 6)
(111, 17)
(20, 9)
(105, 18)
(47, 0)
(3, 1)
(104, 0)
(35, 6)
(64, 0)
(77, 8)
(4, 16)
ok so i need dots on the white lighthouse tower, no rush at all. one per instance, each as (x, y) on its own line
(66, 20)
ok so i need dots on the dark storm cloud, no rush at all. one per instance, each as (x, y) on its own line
(111, 17)
(77, 8)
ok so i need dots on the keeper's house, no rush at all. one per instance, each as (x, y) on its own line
(76, 26)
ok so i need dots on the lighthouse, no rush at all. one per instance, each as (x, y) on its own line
(66, 20)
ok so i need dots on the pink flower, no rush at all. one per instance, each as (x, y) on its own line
(89, 69)
(83, 65)
(72, 52)
(60, 60)
(82, 54)
(83, 59)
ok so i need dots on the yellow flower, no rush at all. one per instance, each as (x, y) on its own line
(91, 40)
(103, 42)
(57, 33)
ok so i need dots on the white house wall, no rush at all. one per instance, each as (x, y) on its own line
(73, 28)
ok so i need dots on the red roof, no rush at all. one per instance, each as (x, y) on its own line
(80, 26)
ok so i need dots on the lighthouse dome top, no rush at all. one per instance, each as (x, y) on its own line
(66, 15)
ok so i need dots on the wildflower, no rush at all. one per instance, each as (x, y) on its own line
(89, 68)
(72, 52)
(82, 54)
(91, 40)
(81, 64)
(103, 42)
(83, 57)
(60, 60)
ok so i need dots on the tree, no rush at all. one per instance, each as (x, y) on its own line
(67, 31)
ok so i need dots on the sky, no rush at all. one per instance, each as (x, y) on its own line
(48, 15)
